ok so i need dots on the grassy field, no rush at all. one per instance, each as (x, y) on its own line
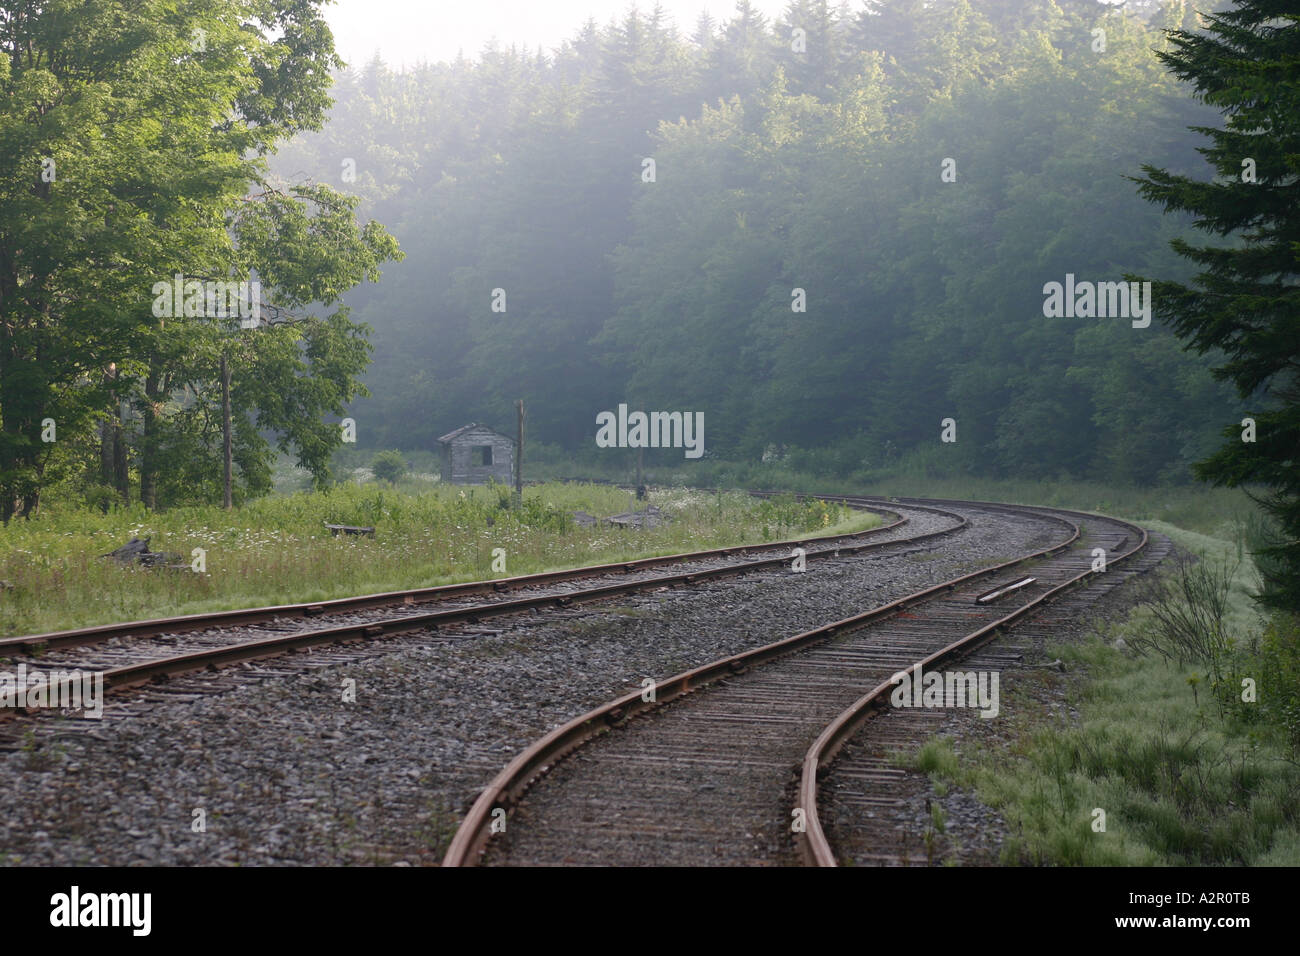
(1212, 511)
(1192, 506)
(1215, 512)
(277, 550)
(1186, 775)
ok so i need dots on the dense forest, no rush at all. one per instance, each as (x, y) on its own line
(919, 170)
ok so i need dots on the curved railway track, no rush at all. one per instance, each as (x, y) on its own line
(1050, 583)
(679, 777)
(279, 614)
(137, 653)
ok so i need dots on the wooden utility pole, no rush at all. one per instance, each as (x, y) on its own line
(519, 457)
(225, 427)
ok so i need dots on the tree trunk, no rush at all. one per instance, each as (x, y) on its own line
(112, 447)
(519, 458)
(8, 424)
(107, 459)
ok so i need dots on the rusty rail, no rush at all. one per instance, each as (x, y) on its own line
(248, 616)
(814, 846)
(504, 791)
(213, 658)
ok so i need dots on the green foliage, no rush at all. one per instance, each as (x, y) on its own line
(133, 144)
(777, 171)
(937, 757)
(1279, 675)
(388, 466)
(275, 549)
(1244, 304)
(1180, 785)
(786, 513)
(1189, 604)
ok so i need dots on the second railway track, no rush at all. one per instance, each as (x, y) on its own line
(295, 776)
(712, 777)
(140, 652)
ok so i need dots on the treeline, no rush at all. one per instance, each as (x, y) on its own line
(920, 169)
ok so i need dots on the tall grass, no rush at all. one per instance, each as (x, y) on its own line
(1179, 784)
(277, 550)
(1194, 507)
(1211, 511)
(1185, 773)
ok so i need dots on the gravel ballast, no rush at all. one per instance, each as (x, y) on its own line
(269, 764)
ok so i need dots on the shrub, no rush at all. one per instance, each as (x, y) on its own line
(388, 466)
(1189, 606)
(1279, 677)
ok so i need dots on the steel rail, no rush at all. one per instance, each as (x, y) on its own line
(77, 637)
(508, 786)
(213, 658)
(814, 846)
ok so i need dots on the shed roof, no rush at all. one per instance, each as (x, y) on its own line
(451, 436)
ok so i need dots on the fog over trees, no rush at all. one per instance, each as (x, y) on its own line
(919, 169)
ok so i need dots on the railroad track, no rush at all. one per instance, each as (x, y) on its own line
(279, 614)
(138, 653)
(732, 775)
(873, 813)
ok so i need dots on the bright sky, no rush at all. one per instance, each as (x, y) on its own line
(406, 31)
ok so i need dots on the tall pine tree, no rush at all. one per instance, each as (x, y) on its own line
(1245, 302)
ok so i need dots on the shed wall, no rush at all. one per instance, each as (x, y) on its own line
(458, 459)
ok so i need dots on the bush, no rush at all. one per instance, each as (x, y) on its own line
(388, 466)
(1189, 606)
(102, 497)
(1279, 677)
(1189, 609)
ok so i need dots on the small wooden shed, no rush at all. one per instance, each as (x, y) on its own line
(474, 453)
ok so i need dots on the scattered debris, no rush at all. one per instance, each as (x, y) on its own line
(652, 517)
(349, 529)
(136, 551)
